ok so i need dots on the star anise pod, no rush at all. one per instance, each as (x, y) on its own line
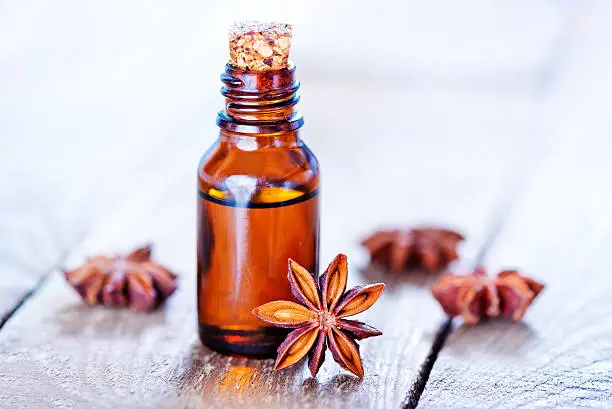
(133, 281)
(431, 248)
(476, 296)
(320, 318)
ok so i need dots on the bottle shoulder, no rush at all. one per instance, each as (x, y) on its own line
(228, 171)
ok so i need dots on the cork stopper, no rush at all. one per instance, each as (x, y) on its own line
(259, 46)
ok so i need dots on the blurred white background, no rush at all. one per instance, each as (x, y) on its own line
(100, 98)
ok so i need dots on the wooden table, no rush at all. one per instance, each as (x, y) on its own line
(513, 149)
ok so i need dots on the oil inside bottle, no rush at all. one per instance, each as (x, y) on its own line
(246, 236)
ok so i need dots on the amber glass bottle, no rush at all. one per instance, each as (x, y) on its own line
(257, 207)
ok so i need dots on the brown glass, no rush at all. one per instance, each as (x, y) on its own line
(257, 207)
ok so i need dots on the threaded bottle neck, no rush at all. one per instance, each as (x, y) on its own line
(260, 101)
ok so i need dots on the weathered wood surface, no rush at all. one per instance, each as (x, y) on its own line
(55, 348)
(451, 158)
(561, 233)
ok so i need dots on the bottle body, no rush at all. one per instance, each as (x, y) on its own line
(258, 206)
(256, 209)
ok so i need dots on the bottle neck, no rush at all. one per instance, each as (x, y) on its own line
(252, 142)
(260, 102)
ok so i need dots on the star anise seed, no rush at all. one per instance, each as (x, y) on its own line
(476, 297)
(133, 281)
(320, 318)
(431, 248)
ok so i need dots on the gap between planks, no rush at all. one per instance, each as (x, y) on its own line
(39, 284)
(7, 316)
